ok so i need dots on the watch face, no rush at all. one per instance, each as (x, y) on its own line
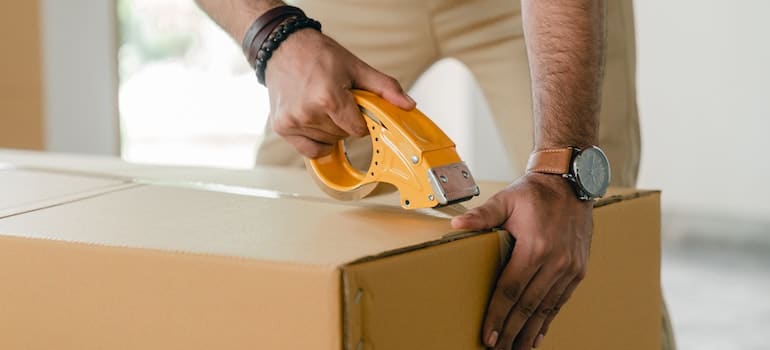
(592, 171)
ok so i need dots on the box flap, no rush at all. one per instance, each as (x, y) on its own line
(251, 219)
(180, 219)
(283, 181)
(61, 161)
(26, 190)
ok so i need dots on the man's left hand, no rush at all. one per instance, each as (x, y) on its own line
(552, 228)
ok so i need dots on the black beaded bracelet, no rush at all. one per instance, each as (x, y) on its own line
(277, 37)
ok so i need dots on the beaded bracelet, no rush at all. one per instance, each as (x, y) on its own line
(277, 36)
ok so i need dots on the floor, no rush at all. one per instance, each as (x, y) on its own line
(717, 284)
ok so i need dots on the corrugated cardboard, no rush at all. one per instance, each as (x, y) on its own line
(278, 179)
(28, 190)
(158, 266)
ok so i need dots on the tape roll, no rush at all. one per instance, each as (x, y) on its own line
(356, 194)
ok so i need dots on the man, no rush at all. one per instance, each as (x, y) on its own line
(310, 75)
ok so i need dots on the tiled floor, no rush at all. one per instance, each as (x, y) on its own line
(718, 294)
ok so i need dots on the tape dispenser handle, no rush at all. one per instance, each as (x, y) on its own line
(335, 170)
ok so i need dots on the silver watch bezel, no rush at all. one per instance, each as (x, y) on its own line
(575, 174)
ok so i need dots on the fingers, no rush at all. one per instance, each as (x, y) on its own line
(308, 147)
(340, 106)
(562, 299)
(510, 288)
(370, 79)
(531, 334)
(493, 213)
(312, 135)
(310, 98)
(345, 113)
(525, 309)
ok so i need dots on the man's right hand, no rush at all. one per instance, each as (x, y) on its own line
(309, 79)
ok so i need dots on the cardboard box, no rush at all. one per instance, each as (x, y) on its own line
(23, 190)
(196, 265)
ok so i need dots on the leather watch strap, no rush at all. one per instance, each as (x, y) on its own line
(551, 161)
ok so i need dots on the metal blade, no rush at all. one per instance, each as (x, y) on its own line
(445, 212)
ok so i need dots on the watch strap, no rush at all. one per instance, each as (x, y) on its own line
(551, 161)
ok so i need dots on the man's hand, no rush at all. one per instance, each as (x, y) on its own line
(309, 79)
(553, 238)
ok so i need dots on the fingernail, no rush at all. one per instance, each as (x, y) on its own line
(492, 339)
(410, 98)
(458, 219)
(538, 340)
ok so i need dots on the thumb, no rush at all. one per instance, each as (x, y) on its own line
(385, 86)
(493, 213)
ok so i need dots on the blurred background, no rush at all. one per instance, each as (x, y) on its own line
(155, 81)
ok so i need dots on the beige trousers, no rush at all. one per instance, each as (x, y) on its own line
(403, 38)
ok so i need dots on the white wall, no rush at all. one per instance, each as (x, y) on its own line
(704, 101)
(80, 76)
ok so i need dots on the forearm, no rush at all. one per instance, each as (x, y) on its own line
(565, 43)
(235, 16)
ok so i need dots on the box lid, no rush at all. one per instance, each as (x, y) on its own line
(257, 223)
(26, 190)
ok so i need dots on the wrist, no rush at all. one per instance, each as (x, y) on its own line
(293, 50)
(277, 37)
(587, 169)
(263, 26)
(560, 144)
(269, 31)
(248, 14)
(555, 187)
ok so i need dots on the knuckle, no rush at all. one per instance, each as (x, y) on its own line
(579, 270)
(545, 311)
(327, 102)
(314, 151)
(392, 83)
(564, 264)
(581, 274)
(512, 291)
(540, 249)
(305, 118)
(284, 123)
(358, 126)
(555, 309)
(526, 309)
(280, 128)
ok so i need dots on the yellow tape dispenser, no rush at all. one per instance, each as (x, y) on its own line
(408, 151)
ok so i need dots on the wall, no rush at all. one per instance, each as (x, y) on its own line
(81, 80)
(705, 104)
(21, 96)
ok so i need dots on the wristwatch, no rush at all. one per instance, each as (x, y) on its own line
(587, 170)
